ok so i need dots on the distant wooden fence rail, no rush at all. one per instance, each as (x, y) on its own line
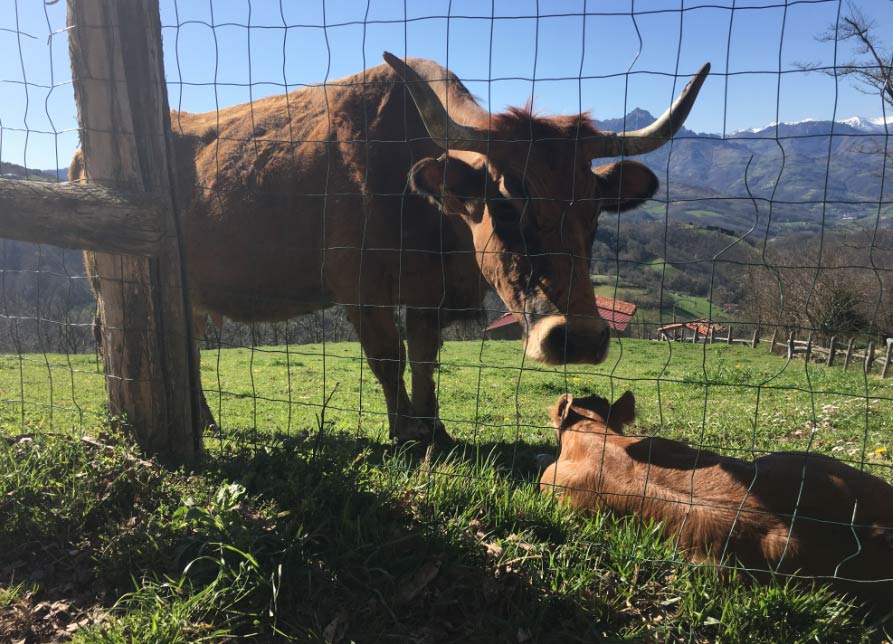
(127, 214)
(792, 347)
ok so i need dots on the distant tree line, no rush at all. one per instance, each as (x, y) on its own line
(840, 284)
(836, 284)
(46, 305)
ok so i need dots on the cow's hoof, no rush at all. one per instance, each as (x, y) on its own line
(440, 434)
(421, 430)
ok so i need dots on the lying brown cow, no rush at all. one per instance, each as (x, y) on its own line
(393, 187)
(788, 512)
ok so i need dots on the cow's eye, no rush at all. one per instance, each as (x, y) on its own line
(505, 211)
(516, 188)
(513, 198)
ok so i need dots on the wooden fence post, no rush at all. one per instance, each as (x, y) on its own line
(729, 337)
(712, 335)
(831, 347)
(694, 336)
(772, 341)
(151, 367)
(808, 347)
(791, 346)
(886, 366)
(869, 357)
(755, 339)
(848, 355)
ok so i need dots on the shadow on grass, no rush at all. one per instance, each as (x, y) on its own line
(310, 538)
(333, 538)
(416, 541)
(359, 555)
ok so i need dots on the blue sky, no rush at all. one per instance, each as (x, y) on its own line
(567, 54)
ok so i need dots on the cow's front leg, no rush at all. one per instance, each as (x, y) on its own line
(424, 339)
(386, 355)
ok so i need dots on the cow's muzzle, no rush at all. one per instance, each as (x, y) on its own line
(557, 339)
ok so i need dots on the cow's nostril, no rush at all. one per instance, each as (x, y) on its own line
(558, 343)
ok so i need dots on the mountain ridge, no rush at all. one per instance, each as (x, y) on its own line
(787, 176)
(639, 117)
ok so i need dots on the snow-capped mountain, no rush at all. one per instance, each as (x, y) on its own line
(859, 123)
(772, 125)
(869, 124)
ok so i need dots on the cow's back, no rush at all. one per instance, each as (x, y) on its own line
(842, 518)
(299, 200)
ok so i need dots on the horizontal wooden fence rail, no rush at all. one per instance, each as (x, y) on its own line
(86, 216)
(793, 347)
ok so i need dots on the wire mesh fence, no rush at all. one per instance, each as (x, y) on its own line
(338, 231)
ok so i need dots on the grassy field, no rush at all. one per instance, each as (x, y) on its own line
(731, 397)
(314, 528)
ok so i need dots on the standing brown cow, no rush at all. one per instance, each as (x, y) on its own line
(299, 201)
(789, 512)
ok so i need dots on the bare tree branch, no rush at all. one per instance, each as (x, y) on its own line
(860, 29)
(875, 71)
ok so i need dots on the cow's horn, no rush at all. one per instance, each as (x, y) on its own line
(442, 128)
(614, 144)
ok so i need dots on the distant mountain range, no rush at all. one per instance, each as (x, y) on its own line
(861, 123)
(15, 171)
(802, 174)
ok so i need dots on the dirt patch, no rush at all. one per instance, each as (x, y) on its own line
(50, 597)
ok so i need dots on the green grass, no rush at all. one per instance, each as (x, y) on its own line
(690, 307)
(285, 533)
(625, 293)
(730, 396)
(660, 266)
(696, 212)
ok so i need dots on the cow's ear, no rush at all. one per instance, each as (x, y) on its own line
(625, 185)
(558, 413)
(622, 412)
(448, 182)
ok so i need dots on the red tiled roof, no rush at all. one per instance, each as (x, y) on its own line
(627, 308)
(615, 319)
(616, 313)
(505, 320)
